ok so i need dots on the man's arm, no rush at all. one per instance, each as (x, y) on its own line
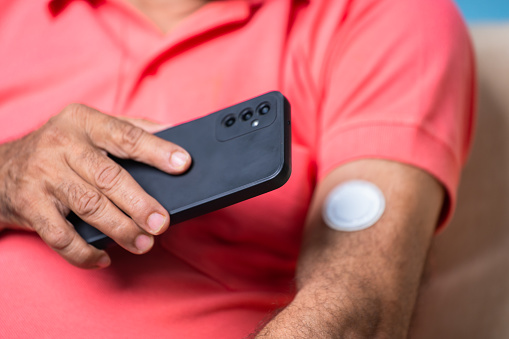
(363, 284)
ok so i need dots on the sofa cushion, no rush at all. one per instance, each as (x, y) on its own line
(465, 291)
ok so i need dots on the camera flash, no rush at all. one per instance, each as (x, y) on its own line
(255, 123)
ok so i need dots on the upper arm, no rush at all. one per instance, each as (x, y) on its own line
(379, 268)
(398, 84)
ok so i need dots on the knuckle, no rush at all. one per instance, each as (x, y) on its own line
(55, 132)
(122, 231)
(108, 176)
(75, 114)
(66, 242)
(139, 203)
(57, 238)
(131, 136)
(68, 112)
(72, 110)
(139, 207)
(86, 202)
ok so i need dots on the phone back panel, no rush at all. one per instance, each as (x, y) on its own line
(238, 153)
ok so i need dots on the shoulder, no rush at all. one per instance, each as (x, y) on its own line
(338, 15)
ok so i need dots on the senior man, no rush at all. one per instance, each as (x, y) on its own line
(381, 91)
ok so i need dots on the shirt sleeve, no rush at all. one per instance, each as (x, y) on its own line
(400, 85)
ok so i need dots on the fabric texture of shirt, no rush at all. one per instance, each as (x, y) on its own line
(388, 79)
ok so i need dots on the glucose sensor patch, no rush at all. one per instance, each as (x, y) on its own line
(353, 206)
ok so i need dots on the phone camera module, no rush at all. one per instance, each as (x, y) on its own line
(246, 114)
(229, 121)
(264, 108)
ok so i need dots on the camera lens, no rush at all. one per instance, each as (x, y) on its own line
(246, 114)
(264, 108)
(229, 121)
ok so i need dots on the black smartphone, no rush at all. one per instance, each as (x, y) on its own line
(238, 153)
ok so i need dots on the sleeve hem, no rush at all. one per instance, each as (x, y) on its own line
(402, 143)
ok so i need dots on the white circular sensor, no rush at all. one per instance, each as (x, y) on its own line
(353, 206)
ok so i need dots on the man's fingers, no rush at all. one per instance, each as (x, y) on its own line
(97, 210)
(118, 186)
(64, 165)
(126, 140)
(59, 234)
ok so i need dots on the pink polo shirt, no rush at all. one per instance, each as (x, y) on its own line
(389, 79)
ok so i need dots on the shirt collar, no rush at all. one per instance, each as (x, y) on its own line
(57, 6)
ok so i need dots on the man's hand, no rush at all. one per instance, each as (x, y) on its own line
(64, 166)
(363, 284)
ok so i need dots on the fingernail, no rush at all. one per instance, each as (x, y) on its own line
(156, 222)
(178, 159)
(103, 261)
(143, 243)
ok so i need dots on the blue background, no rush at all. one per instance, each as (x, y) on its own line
(484, 10)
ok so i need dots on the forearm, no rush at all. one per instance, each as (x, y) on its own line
(352, 299)
(363, 284)
(318, 312)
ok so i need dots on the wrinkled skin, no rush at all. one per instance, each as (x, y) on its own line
(64, 166)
